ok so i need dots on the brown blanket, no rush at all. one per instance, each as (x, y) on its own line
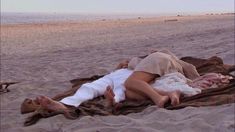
(209, 97)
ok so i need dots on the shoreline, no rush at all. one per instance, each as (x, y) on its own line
(115, 18)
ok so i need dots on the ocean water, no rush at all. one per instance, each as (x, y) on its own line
(22, 18)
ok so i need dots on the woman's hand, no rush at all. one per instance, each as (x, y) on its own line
(123, 64)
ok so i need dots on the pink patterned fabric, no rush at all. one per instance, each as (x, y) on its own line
(210, 80)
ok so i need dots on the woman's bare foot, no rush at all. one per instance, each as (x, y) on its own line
(109, 96)
(162, 101)
(51, 105)
(174, 96)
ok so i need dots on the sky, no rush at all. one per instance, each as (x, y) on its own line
(118, 6)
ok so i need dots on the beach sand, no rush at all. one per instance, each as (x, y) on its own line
(44, 57)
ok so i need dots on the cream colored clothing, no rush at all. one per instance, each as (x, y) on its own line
(163, 62)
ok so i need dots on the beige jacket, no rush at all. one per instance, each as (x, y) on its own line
(163, 62)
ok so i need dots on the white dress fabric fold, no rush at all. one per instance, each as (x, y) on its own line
(175, 81)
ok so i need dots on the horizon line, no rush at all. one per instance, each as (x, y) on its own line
(124, 13)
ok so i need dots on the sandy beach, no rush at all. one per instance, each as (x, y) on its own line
(44, 57)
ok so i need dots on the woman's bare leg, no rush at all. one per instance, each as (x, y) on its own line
(134, 95)
(138, 82)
